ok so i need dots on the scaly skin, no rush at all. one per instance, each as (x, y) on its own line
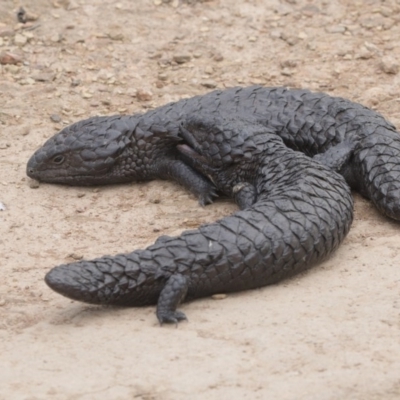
(295, 212)
(104, 150)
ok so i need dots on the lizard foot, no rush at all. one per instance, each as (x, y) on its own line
(208, 196)
(171, 317)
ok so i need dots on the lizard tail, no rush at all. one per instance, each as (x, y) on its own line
(377, 167)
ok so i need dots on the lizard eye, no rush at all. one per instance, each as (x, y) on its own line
(58, 159)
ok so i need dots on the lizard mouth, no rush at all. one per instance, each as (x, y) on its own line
(62, 177)
(38, 169)
(77, 178)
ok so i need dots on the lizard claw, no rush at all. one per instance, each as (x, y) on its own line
(171, 317)
(208, 197)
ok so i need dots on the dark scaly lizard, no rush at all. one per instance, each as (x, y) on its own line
(346, 136)
(104, 150)
(295, 212)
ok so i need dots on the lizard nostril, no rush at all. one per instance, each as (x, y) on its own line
(31, 172)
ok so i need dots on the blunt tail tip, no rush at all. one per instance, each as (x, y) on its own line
(66, 282)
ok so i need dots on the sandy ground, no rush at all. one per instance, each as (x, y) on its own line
(332, 333)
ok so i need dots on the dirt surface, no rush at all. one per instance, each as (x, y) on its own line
(332, 333)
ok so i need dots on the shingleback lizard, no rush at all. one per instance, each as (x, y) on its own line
(295, 211)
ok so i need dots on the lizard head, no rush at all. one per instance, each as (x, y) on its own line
(81, 154)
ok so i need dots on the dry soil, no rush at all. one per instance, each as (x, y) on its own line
(330, 334)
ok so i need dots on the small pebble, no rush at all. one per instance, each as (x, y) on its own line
(56, 38)
(275, 34)
(182, 58)
(144, 95)
(20, 40)
(375, 95)
(302, 35)
(2, 207)
(364, 54)
(6, 31)
(34, 184)
(375, 22)
(2, 302)
(55, 118)
(218, 57)
(116, 36)
(156, 200)
(192, 223)
(311, 46)
(9, 58)
(24, 130)
(28, 81)
(218, 296)
(290, 63)
(162, 76)
(210, 84)
(44, 77)
(335, 29)
(389, 65)
(371, 47)
(13, 69)
(310, 10)
(286, 72)
(29, 35)
(75, 256)
(24, 16)
(290, 40)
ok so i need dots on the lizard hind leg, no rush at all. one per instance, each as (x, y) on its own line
(170, 297)
(245, 195)
(337, 157)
